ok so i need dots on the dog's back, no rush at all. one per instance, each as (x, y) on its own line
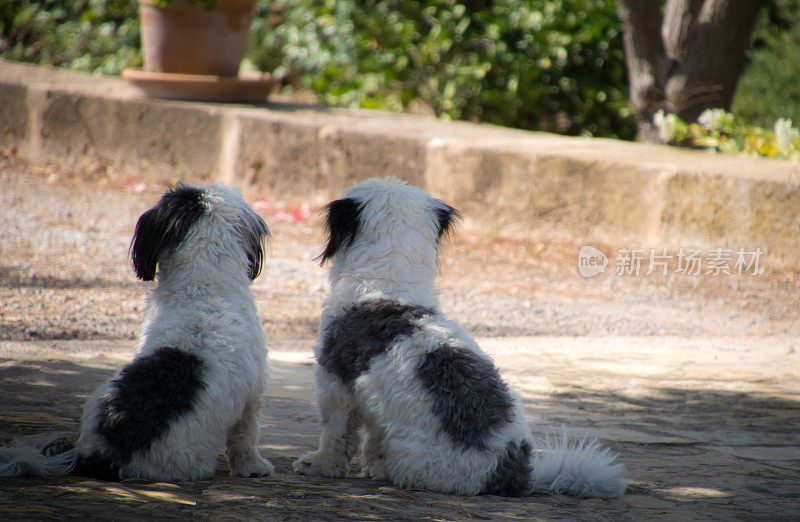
(437, 414)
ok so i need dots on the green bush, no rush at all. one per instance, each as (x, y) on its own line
(87, 35)
(768, 88)
(553, 65)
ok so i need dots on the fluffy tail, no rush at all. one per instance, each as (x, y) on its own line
(43, 456)
(577, 466)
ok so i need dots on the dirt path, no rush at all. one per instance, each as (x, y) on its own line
(695, 381)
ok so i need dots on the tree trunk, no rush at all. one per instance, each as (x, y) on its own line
(687, 60)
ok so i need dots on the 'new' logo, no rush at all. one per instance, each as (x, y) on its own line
(591, 261)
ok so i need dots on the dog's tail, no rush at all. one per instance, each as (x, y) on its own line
(41, 456)
(578, 466)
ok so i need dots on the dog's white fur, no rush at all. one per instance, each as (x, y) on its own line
(387, 410)
(202, 306)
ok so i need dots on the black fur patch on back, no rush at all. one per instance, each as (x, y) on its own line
(446, 217)
(512, 476)
(365, 331)
(163, 227)
(342, 222)
(149, 394)
(467, 393)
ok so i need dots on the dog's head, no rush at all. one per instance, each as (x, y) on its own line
(199, 224)
(387, 228)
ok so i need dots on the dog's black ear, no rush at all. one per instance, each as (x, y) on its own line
(446, 217)
(163, 227)
(255, 235)
(342, 222)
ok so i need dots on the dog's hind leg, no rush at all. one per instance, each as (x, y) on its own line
(339, 439)
(373, 463)
(242, 445)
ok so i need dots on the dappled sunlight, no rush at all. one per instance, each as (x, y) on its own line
(530, 384)
(124, 492)
(218, 495)
(62, 372)
(167, 497)
(295, 387)
(304, 357)
(121, 493)
(42, 382)
(281, 447)
(691, 494)
(673, 439)
(141, 492)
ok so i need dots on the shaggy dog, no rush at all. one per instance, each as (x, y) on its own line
(426, 406)
(195, 384)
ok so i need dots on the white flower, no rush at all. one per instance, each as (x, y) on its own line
(785, 135)
(667, 125)
(716, 120)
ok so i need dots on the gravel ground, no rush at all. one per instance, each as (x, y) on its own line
(694, 380)
(64, 274)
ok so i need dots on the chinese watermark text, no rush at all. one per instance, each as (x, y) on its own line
(684, 261)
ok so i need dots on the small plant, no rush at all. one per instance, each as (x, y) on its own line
(722, 131)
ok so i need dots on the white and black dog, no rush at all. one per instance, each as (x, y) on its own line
(195, 384)
(426, 406)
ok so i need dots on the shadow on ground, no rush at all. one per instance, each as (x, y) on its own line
(693, 461)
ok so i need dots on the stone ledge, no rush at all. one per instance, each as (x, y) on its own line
(502, 179)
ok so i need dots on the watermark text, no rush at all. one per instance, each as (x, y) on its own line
(684, 261)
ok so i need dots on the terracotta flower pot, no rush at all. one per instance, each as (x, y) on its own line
(185, 38)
